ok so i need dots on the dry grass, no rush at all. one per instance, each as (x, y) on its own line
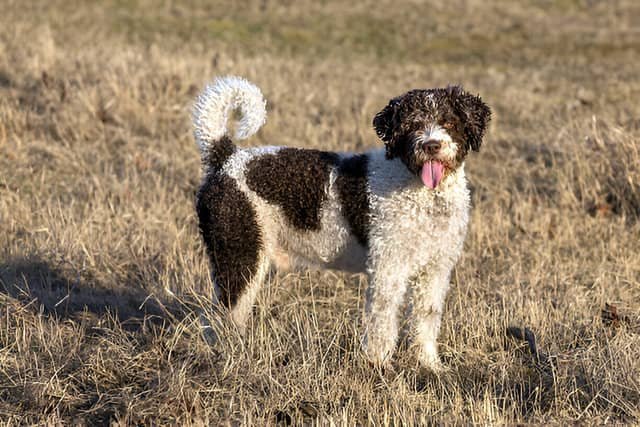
(102, 271)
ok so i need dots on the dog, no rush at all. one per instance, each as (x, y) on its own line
(398, 213)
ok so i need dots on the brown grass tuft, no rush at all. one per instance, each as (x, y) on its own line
(605, 169)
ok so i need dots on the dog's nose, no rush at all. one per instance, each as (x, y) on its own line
(432, 146)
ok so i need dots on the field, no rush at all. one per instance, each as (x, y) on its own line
(103, 274)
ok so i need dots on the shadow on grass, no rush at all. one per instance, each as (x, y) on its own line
(73, 295)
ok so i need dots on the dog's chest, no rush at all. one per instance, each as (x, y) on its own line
(418, 225)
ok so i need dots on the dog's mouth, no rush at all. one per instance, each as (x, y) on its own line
(432, 173)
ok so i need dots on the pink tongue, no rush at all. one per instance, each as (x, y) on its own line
(432, 173)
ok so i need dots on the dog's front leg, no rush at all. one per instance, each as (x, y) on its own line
(427, 302)
(384, 297)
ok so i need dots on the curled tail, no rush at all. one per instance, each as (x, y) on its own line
(211, 113)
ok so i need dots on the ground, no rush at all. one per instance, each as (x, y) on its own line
(103, 274)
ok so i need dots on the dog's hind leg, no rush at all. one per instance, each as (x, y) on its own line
(237, 310)
(241, 310)
(233, 237)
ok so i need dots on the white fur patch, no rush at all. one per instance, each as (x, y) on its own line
(218, 100)
(437, 133)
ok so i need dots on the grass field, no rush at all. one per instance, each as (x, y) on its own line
(103, 274)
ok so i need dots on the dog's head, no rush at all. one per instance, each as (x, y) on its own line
(432, 130)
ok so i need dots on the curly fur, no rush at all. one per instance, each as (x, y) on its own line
(218, 100)
(365, 212)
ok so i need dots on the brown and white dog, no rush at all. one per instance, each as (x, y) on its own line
(399, 213)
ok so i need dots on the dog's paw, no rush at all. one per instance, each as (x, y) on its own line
(377, 350)
(435, 366)
(430, 360)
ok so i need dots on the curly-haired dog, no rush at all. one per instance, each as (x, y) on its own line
(398, 213)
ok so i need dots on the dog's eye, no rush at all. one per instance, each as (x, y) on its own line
(448, 125)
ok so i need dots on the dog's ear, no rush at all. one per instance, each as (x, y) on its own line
(476, 116)
(385, 123)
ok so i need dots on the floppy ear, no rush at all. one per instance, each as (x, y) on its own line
(384, 125)
(476, 115)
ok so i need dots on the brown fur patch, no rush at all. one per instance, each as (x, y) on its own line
(354, 196)
(231, 234)
(294, 179)
(217, 153)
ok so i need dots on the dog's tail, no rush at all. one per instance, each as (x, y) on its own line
(220, 99)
